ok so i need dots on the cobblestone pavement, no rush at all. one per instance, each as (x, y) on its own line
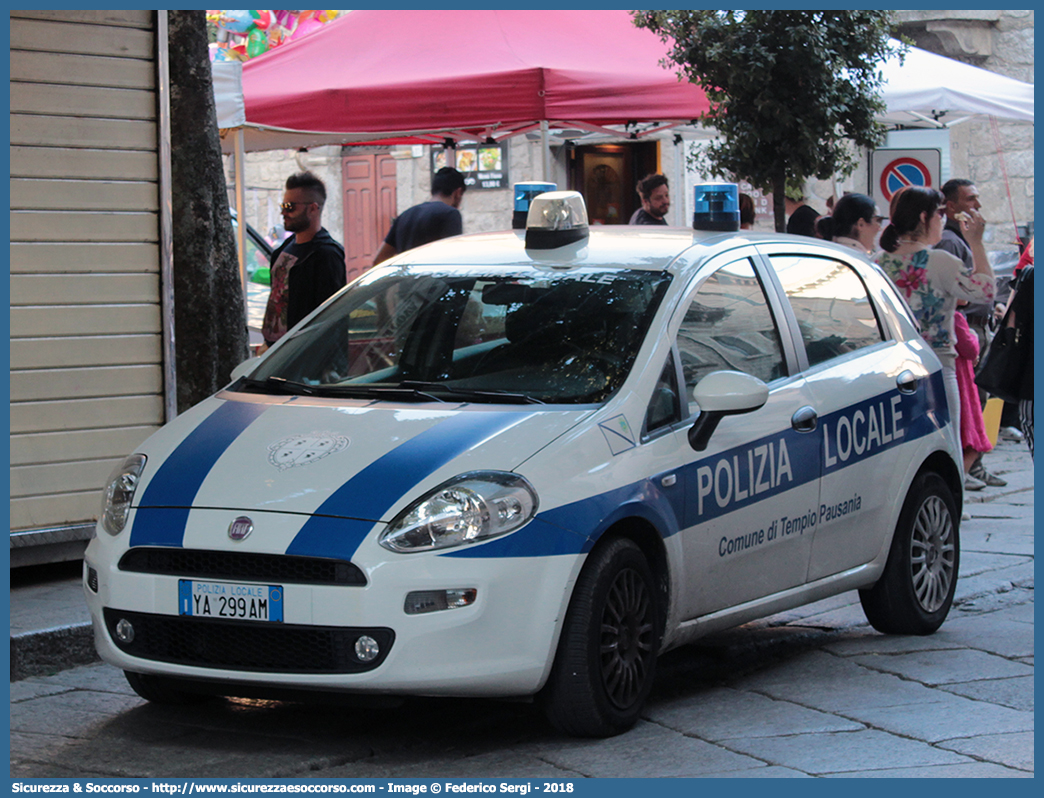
(813, 692)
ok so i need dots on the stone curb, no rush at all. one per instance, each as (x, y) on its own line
(47, 651)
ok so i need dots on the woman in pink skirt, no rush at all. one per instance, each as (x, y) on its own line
(973, 429)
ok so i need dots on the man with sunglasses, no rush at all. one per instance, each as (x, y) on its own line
(309, 266)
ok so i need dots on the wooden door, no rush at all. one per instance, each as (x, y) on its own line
(369, 206)
(607, 174)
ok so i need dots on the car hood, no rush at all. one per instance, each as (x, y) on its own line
(360, 460)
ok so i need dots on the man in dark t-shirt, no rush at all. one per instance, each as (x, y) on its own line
(429, 221)
(308, 267)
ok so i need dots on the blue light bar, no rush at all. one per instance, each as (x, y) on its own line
(524, 193)
(716, 207)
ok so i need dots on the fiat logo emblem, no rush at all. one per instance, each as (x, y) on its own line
(240, 528)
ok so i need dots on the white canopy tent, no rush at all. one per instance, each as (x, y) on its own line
(929, 90)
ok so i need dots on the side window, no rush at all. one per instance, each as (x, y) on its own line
(729, 325)
(664, 407)
(833, 311)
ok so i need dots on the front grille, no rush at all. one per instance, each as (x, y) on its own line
(239, 646)
(278, 568)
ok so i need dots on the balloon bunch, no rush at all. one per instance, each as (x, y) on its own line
(245, 34)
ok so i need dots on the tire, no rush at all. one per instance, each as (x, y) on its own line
(914, 594)
(606, 659)
(163, 689)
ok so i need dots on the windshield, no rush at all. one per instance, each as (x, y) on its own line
(462, 336)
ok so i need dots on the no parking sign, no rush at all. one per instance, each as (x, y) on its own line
(891, 170)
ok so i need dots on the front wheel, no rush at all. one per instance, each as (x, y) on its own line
(606, 659)
(914, 594)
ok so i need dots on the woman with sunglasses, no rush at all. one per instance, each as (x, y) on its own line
(854, 223)
(932, 280)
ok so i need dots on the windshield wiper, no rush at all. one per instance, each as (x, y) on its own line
(278, 385)
(491, 395)
(373, 391)
(408, 390)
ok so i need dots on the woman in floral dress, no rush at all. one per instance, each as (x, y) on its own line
(933, 280)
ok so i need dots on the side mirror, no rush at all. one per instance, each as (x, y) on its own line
(720, 394)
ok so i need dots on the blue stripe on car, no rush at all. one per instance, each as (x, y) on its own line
(340, 524)
(372, 492)
(574, 528)
(179, 477)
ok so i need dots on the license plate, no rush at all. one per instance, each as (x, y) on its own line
(230, 600)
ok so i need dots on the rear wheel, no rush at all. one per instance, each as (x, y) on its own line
(163, 689)
(606, 659)
(914, 594)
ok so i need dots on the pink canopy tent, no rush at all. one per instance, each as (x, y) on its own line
(423, 76)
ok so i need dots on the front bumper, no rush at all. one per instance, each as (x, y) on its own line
(501, 645)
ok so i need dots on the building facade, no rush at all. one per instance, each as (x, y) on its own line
(87, 331)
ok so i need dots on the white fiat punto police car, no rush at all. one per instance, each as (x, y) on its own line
(527, 463)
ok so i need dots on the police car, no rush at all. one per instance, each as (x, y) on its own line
(527, 463)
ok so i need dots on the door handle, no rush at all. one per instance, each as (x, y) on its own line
(804, 419)
(907, 382)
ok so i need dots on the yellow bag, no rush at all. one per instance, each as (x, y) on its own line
(991, 416)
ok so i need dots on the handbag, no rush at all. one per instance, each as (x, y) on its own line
(1000, 370)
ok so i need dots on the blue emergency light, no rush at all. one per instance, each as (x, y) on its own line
(524, 193)
(716, 207)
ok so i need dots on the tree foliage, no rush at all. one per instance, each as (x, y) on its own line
(790, 91)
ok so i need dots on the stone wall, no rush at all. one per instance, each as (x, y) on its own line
(484, 210)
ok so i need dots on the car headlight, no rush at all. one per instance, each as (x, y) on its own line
(467, 509)
(119, 492)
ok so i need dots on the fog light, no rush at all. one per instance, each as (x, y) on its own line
(124, 631)
(366, 649)
(422, 601)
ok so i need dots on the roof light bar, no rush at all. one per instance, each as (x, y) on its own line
(556, 218)
(716, 207)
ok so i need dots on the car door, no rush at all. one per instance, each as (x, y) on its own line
(751, 495)
(861, 385)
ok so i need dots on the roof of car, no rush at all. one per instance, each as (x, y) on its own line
(633, 247)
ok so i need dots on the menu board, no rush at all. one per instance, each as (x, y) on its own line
(484, 166)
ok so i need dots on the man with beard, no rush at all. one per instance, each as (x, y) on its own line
(656, 200)
(309, 266)
(962, 204)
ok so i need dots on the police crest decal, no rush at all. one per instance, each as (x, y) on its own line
(302, 450)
